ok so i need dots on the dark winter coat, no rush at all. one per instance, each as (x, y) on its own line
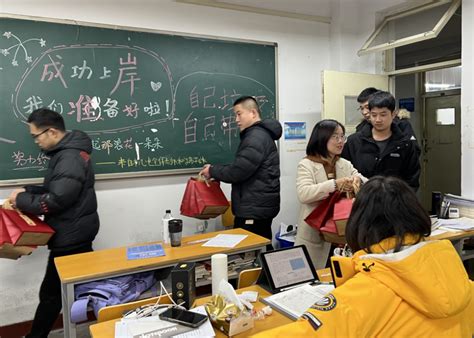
(400, 157)
(67, 197)
(255, 172)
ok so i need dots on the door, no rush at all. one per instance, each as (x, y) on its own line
(441, 164)
(340, 91)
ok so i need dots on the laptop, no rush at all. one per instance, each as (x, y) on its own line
(286, 268)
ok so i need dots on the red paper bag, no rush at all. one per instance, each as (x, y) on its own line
(341, 213)
(329, 232)
(318, 217)
(4, 236)
(203, 199)
(25, 229)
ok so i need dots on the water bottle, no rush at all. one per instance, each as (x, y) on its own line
(166, 233)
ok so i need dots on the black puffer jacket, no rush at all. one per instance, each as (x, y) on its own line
(400, 157)
(255, 172)
(67, 197)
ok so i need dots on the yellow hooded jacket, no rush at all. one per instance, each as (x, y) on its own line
(421, 291)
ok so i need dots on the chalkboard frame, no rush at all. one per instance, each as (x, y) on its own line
(150, 173)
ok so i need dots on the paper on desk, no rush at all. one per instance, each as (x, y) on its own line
(438, 232)
(225, 241)
(462, 223)
(149, 326)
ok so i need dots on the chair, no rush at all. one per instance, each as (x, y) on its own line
(248, 277)
(228, 217)
(116, 311)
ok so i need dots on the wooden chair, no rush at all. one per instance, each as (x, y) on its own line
(248, 277)
(228, 217)
(117, 311)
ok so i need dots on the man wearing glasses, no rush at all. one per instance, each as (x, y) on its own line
(67, 200)
(363, 100)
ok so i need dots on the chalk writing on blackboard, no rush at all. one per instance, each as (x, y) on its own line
(148, 101)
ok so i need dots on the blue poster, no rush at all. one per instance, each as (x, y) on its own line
(295, 130)
(407, 103)
(145, 251)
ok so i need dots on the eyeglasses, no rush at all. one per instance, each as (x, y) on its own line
(338, 138)
(35, 136)
(362, 108)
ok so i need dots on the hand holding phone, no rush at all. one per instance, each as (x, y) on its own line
(183, 317)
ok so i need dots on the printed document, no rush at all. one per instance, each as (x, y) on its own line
(294, 302)
(225, 241)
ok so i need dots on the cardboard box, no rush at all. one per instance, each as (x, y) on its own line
(14, 252)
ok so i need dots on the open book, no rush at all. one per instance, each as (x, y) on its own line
(294, 302)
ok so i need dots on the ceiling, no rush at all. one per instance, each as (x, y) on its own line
(310, 10)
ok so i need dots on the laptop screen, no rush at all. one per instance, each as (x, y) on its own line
(288, 267)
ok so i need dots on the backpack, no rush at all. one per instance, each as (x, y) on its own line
(110, 291)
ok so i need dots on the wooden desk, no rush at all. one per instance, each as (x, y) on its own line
(91, 266)
(107, 329)
(457, 238)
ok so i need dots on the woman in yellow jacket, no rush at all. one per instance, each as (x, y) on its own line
(401, 285)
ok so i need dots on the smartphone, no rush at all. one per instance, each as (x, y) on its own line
(183, 317)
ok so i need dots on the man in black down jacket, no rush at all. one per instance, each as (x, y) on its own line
(67, 200)
(255, 172)
(380, 147)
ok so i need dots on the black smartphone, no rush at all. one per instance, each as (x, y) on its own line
(183, 317)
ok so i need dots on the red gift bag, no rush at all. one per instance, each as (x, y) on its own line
(25, 229)
(341, 213)
(318, 217)
(14, 252)
(203, 199)
(330, 234)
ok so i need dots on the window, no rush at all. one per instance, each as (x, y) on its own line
(410, 26)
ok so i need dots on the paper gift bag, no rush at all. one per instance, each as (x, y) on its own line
(341, 213)
(203, 199)
(318, 217)
(329, 232)
(25, 229)
(14, 252)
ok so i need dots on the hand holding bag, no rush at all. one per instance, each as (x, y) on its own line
(24, 229)
(203, 199)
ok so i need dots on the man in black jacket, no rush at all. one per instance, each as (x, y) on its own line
(380, 147)
(66, 199)
(255, 172)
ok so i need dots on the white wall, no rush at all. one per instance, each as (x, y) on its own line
(131, 209)
(467, 101)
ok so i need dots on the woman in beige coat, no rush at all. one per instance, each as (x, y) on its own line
(320, 173)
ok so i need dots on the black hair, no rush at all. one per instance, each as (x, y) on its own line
(249, 102)
(322, 132)
(382, 99)
(365, 94)
(386, 207)
(46, 118)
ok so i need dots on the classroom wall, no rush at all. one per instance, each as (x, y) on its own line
(131, 209)
(467, 101)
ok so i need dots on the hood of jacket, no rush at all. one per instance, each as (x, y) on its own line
(75, 139)
(429, 275)
(273, 127)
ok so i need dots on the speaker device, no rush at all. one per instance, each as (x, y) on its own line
(184, 284)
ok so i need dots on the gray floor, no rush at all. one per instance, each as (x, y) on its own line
(82, 331)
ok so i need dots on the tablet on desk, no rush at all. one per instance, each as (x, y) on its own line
(286, 268)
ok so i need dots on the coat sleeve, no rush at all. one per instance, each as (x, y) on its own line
(247, 160)
(65, 186)
(308, 189)
(411, 174)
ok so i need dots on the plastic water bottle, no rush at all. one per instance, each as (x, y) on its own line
(166, 232)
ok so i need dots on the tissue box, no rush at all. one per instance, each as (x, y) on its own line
(227, 317)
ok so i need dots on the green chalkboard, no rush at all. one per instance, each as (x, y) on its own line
(152, 102)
